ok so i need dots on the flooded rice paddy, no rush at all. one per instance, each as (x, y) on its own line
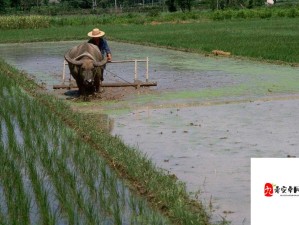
(208, 118)
(50, 176)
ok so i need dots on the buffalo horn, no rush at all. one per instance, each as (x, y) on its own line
(100, 63)
(72, 61)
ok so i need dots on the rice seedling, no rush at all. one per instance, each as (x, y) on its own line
(41, 195)
(14, 191)
(1, 132)
(24, 22)
(69, 181)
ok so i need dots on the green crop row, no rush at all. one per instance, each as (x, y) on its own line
(24, 22)
(52, 175)
(255, 13)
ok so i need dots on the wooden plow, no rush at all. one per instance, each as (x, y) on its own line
(136, 83)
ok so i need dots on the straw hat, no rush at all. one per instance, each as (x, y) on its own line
(96, 33)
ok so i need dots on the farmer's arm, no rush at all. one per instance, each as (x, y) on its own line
(107, 50)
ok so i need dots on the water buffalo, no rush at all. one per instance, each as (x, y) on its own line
(86, 65)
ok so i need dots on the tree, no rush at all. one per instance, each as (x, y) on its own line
(258, 2)
(23, 4)
(15, 3)
(72, 3)
(223, 4)
(217, 4)
(171, 5)
(86, 4)
(3, 5)
(253, 3)
(27, 4)
(185, 4)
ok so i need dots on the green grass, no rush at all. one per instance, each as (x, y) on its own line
(275, 40)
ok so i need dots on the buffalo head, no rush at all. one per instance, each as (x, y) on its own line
(86, 66)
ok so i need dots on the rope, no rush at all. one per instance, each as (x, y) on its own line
(115, 75)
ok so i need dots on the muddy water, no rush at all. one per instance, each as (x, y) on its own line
(207, 146)
(210, 147)
(173, 70)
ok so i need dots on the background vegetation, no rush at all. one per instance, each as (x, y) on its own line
(262, 34)
(63, 7)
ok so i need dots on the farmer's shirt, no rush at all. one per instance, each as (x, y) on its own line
(103, 46)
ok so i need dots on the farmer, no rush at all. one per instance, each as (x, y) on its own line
(97, 38)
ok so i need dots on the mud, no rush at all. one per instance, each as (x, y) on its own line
(209, 147)
(203, 122)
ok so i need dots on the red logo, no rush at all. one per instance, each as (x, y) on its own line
(268, 191)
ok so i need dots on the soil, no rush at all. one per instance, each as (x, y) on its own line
(106, 94)
(203, 122)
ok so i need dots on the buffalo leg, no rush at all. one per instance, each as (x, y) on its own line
(102, 74)
(97, 83)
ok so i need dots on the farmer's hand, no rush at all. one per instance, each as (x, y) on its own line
(109, 57)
